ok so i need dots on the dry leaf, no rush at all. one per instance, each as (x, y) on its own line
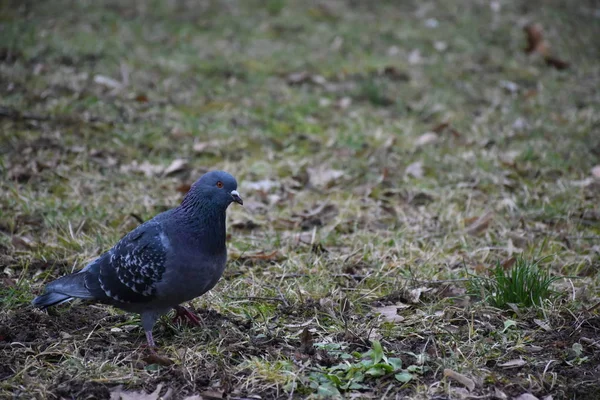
(460, 378)
(108, 82)
(513, 363)
(476, 226)
(413, 295)
(211, 146)
(119, 394)
(323, 177)
(211, 395)
(426, 138)
(535, 40)
(415, 169)
(306, 342)
(146, 168)
(264, 185)
(141, 98)
(22, 242)
(537, 45)
(526, 396)
(543, 325)
(183, 188)
(508, 263)
(154, 358)
(390, 313)
(177, 165)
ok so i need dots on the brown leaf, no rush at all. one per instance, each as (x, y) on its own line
(556, 62)
(183, 188)
(478, 225)
(537, 45)
(390, 313)
(394, 74)
(259, 256)
(176, 165)
(535, 40)
(508, 263)
(439, 128)
(460, 378)
(141, 98)
(306, 342)
(22, 242)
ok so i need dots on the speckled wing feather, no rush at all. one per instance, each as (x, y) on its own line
(131, 270)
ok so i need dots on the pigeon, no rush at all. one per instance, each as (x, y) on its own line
(176, 256)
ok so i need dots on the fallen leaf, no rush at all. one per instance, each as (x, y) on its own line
(460, 378)
(415, 170)
(426, 138)
(526, 396)
(306, 342)
(323, 177)
(264, 185)
(389, 313)
(519, 362)
(508, 263)
(394, 74)
(22, 242)
(141, 98)
(439, 128)
(211, 394)
(478, 225)
(155, 358)
(183, 188)
(556, 62)
(542, 324)
(210, 146)
(413, 295)
(536, 44)
(176, 165)
(146, 168)
(119, 394)
(108, 82)
(535, 40)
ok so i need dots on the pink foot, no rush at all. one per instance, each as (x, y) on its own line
(182, 314)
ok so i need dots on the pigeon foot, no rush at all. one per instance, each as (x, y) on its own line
(182, 314)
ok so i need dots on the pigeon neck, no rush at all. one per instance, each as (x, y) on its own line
(207, 220)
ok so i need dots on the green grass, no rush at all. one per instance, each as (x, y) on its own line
(523, 284)
(216, 83)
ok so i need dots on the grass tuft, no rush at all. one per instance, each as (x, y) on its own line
(524, 284)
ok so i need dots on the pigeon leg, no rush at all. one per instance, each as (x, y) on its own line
(150, 340)
(183, 314)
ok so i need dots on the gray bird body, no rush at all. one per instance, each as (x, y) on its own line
(175, 257)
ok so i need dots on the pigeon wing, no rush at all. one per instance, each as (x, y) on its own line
(134, 267)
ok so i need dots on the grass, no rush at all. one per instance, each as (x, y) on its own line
(523, 284)
(387, 153)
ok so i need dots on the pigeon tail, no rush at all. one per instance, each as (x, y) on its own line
(62, 290)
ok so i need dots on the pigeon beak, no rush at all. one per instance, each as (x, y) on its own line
(236, 197)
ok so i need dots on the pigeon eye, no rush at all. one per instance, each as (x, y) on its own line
(220, 185)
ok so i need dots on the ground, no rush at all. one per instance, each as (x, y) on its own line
(387, 153)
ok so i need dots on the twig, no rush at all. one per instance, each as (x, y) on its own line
(257, 298)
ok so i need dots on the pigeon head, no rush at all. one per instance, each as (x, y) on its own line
(217, 188)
